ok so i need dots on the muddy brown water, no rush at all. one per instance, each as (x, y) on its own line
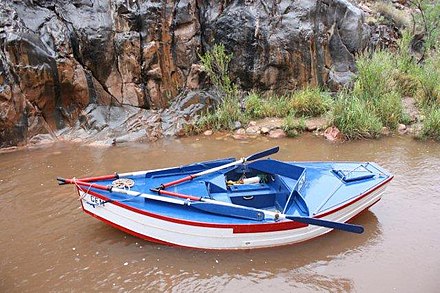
(48, 244)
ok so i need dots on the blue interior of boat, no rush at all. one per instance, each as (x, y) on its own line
(294, 189)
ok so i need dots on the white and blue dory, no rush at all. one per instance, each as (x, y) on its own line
(253, 202)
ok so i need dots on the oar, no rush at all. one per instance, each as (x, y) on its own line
(277, 167)
(221, 208)
(87, 179)
(329, 224)
(110, 188)
(224, 208)
(212, 170)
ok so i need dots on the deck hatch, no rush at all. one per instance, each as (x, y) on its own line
(356, 174)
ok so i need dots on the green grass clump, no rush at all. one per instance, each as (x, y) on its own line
(224, 117)
(388, 108)
(374, 75)
(310, 102)
(429, 79)
(354, 120)
(293, 126)
(374, 101)
(431, 124)
(258, 106)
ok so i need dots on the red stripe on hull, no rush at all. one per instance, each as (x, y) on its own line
(237, 228)
(142, 236)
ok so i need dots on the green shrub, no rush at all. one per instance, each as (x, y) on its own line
(431, 124)
(429, 79)
(310, 102)
(388, 109)
(258, 106)
(374, 76)
(216, 64)
(354, 118)
(427, 21)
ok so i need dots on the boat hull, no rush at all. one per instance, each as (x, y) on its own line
(221, 236)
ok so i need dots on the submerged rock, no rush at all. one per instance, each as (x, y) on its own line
(277, 133)
(333, 134)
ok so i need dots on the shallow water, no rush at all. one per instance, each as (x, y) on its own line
(48, 244)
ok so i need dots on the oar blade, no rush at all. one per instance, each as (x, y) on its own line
(277, 167)
(230, 211)
(328, 224)
(263, 154)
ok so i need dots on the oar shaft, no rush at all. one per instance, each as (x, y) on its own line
(213, 170)
(218, 168)
(100, 178)
(191, 177)
(178, 181)
(180, 195)
(80, 182)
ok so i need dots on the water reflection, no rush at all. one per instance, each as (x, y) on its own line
(176, 269)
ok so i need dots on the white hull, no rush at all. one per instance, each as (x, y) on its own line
(201, 236)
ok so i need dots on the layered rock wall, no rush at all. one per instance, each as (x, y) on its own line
(59, 56)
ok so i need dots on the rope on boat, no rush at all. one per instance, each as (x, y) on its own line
(83, 196)
(123, 183)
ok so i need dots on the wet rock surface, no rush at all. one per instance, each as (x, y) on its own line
(104, 69)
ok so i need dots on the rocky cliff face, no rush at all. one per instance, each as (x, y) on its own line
(64, 63)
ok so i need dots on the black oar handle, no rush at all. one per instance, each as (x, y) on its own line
(61, 181)
(328, 224)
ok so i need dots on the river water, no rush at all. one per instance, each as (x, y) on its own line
(48, 244)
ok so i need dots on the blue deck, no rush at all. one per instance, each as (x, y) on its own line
(302, 189)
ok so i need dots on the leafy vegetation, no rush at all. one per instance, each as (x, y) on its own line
(354, 120)
(431, 124)
(310, 102)
(293, 126)
(216, 65)
(374, 101)
(259, 106)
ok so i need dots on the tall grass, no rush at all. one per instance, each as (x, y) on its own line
(431, 124)
(259, 106)
(310, 102)
(293, 126)
(351, 116)
(429, 79)
(374, 101)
